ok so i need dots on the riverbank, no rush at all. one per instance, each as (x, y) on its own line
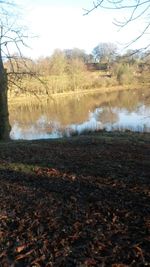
(82, 201)
(29, 97)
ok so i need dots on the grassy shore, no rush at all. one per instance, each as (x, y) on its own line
(41, 98)
(82, 201)
(54, 87)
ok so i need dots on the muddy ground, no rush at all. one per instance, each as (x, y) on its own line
(83, 201)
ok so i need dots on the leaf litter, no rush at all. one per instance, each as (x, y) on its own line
(85, 202)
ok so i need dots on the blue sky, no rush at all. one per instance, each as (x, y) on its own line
(61, 24)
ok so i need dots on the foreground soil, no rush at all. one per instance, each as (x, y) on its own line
(83, 201)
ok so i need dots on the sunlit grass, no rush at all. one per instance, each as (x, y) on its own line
(54, 86)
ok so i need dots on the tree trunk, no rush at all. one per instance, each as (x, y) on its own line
(4, 115)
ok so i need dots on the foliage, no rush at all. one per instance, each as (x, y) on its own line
(73, 69)
(124, 73)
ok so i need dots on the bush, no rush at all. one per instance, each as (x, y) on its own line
(124, 73)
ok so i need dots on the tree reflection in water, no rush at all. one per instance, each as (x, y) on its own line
(118, 110)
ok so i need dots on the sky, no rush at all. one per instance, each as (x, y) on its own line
(62, 24)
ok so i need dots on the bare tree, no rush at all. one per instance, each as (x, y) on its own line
(58, 62)
(136, 9)
(105, 52)
(12, 38)
(76, 53)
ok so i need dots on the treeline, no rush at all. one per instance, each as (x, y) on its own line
(74, 69)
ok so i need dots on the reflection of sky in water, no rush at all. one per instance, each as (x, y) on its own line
(135, 121)
(32, 133)
(101, 118)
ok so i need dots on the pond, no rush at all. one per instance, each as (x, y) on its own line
(66, 116)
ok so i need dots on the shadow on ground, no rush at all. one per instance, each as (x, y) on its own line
(84, 203)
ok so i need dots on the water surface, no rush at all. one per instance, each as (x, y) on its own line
(123, 110)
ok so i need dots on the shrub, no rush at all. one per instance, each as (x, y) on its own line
(124, 73)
